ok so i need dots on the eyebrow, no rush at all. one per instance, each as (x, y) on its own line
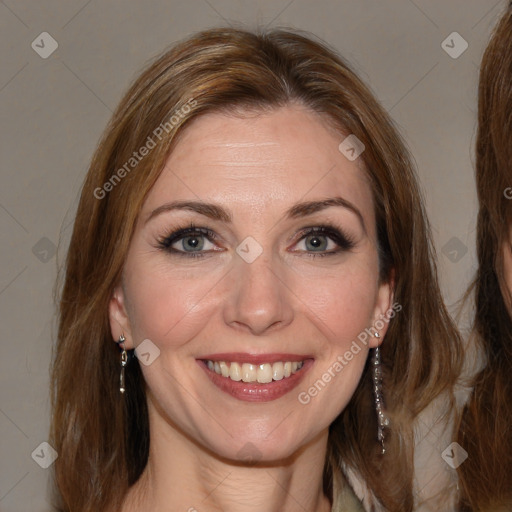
(216, 212)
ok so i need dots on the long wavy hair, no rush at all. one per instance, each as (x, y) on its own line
(486, 423)
(102, 438)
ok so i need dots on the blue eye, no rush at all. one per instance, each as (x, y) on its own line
(192, 242)
(317, 239)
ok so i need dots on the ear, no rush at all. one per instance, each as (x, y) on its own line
(118, 317)
(383, 309)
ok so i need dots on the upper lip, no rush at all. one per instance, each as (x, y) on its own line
(244, 357)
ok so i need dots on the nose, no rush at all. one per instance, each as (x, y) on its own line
(259, 300)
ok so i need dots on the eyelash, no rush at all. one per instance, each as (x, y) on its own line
(341, 239)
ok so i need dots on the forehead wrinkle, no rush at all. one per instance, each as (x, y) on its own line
(244, 163)
(241, 158)
(241, 144)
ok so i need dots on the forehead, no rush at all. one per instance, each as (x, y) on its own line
(256, 159)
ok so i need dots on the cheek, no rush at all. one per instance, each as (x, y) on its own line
(342, 312)
(165, 304)
(343, 302)
(342, 308)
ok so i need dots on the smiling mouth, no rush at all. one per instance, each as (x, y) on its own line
(263, 373)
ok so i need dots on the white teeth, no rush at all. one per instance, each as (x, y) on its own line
(235, 372)
(278, 371)
(262, 373)
(248, 372)
(224, 369)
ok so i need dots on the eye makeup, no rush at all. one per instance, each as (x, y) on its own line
(193, 237)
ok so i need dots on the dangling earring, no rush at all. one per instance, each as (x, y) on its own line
(124, 360)
(382, 419)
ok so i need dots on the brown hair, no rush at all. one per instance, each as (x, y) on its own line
(484, 431)
(102, 438)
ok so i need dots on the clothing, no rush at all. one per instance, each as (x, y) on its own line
(435, 481)
(344, 498)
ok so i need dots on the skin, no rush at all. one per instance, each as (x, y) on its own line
(257, 166)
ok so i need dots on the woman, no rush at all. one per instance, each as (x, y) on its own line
(252, 227)
(484, 432)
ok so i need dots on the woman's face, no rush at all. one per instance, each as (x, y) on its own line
(252, 287)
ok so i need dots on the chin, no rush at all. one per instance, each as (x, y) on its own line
(247, 449)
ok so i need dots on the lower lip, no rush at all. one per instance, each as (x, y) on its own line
(249, 392)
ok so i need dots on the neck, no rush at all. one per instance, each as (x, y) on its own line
(183, 476)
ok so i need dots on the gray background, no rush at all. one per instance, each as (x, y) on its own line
(53, 111)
